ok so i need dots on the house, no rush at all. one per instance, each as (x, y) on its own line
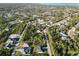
(40, 21)
(44, 26)
(38, 31)
(63, 38)
(66, 38)
(25, 45)
(14, 37)
(9, 41)
(34, 16)
(16, 45)
(63, 34)
(28, 50)
(7, 29)
(8, 46)
(41, 48)
(25, 50)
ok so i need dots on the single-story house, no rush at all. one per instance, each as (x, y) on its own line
(8, 46)
(41, 49)
(14, 37)
(28, 50)
(25, 50)
(63, 34)
(17, 44)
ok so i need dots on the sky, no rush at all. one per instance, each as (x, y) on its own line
(39, 1)
(64, 4)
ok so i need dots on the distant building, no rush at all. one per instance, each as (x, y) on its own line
(63, 34)
(38, 31)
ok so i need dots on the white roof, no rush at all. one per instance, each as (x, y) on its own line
(6, 46)
(17, 45)
(20, 21)
(14, 36)
(7, 29)
(63, 38)
(63, 34)
(38, 31)
(9, 41)
(26, 45)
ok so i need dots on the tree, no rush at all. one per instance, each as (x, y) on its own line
(5, 52)
(18, 53)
